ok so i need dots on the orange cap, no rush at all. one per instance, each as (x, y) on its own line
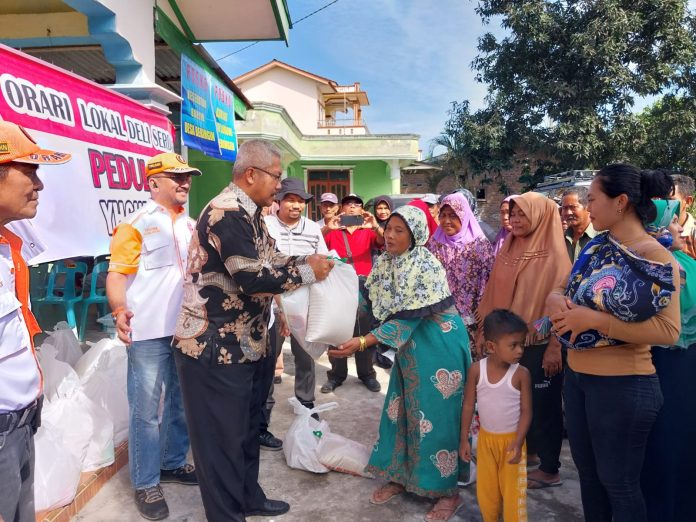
(169, 162)
(16, 145)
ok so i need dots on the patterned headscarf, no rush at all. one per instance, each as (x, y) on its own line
(470, 228)
(432, 224)
(413, 284)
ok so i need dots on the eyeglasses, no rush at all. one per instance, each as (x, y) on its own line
(179, 179)
(274, 176)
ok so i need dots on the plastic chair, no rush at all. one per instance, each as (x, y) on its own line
(97, 296)
(63, 294)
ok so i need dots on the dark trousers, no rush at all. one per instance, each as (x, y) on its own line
(608, 421)
(224, 406)
(364, 361)
(269, 401)
(668, 479)
(17, 475)
(545, 435)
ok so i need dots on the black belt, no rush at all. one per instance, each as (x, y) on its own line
(26, 416)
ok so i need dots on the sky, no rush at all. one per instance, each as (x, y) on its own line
(412, 57)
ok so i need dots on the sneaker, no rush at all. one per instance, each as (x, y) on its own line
(330, 386)
(372, 384)
(269, 442)
(151, 504)
(186, 475)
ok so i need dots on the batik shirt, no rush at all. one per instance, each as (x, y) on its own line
(233, 271)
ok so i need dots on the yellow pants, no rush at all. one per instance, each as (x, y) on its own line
(501, 488)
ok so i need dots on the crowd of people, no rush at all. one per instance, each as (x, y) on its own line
(577, 317)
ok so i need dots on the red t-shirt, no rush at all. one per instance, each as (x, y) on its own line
(361, 242)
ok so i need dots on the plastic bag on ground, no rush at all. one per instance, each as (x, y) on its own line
(301, 440)
(344, 455)
(56, 470)
(333, 306)
(295, 307)
(102, 370)
(67, 346)
(60, 380)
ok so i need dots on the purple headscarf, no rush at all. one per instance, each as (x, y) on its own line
(503, 232)
(470, 231)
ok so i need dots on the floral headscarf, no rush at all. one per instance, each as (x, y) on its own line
(431, 223)
(412, 284)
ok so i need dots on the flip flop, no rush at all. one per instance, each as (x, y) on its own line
(394, 489)
(452, 511)
(543, 484)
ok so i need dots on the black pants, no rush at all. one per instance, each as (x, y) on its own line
(269, 400)
(224, 406)
(545, 436)
(364, 361)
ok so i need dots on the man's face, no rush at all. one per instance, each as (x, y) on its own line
(352, 207)
(328, 209)
(576, 215)
(170, 190)
(685, 202)
(266, 183)
(291, 208)
(19, 192)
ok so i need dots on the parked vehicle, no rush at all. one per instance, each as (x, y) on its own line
(554, 185)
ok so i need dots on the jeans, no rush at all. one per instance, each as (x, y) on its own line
(608, 421)
(152, 446)
(17, 475)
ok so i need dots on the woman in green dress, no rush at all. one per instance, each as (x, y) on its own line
(408, 294)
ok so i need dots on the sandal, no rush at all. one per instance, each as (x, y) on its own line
(385, 493)
(533, 483)
(445, 507)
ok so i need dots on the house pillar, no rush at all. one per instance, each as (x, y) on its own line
(395, 175)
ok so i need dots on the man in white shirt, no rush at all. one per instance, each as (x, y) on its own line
(328, 206)
(21, 380)
(295, 235)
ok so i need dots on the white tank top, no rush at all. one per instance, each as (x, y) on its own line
(499, 403)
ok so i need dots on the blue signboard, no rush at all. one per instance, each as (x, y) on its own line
(207, 112)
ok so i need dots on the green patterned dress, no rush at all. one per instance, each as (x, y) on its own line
(419, 430)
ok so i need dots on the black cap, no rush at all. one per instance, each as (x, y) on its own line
(351, 197)
(293, 186)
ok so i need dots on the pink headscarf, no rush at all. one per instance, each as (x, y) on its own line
(432, 224)
(470, 228)
(503, 232)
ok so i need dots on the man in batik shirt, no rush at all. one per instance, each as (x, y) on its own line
(221, 342)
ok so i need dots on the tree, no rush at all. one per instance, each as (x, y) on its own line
(477, 144)
(565, 77)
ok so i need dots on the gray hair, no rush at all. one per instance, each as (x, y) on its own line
(254, 153)
(580, 191)
(684, 184)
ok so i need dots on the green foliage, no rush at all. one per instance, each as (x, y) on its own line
(564, 80)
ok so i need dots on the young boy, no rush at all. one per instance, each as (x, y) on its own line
(503, 390)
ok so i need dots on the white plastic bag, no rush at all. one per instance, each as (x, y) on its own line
(102, 370)
(295, 306)
(300, 444)
(60, 380)
(56, 470)
(67, 346)
(344, 455)
(333, 306)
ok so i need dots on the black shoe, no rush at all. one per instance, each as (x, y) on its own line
(372, 384)
(277, 379)
(383, 362)
(269, 442)
(151, 503)
(186, 475)
(270, 508)
(330, 386)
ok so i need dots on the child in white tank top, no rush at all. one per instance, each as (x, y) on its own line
(502, 390)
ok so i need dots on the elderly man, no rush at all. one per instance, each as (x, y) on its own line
(574, 212)
(433, 202)
(354, 243)
(684, 192)
(328, 206)
(20, 376)
(221, 343)
(145, 288)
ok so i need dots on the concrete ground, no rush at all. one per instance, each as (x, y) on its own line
(332, 497)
